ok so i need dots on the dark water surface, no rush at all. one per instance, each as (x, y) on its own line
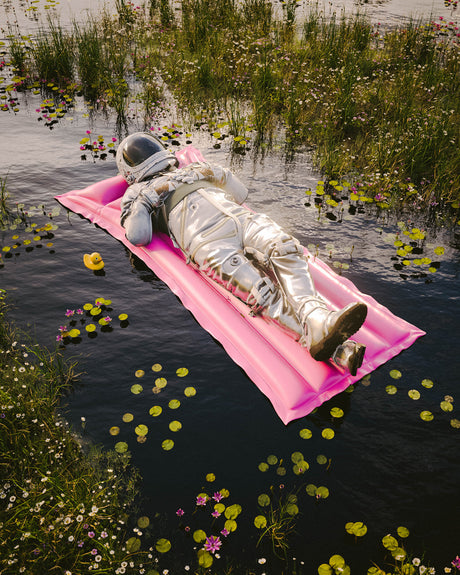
(388, 467)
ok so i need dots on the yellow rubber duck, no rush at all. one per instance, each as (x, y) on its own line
(93, 261)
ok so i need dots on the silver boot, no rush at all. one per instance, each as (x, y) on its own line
(326, 330)
(349, 355)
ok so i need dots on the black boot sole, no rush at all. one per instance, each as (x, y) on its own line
(356, 361)
(346, 325)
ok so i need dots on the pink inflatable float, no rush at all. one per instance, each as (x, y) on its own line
(282, 369)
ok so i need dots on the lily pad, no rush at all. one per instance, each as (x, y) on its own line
(121, 447)
(163, 545)
(182, 372)
(328, 433)
(296, 456)
(263, 466)
(115, 430)
(127, 417)
(136, 389)
(230, 525)
(161, 382)
(139, 373)
(395, 374)
(205, 559)
(260, 521)
(210, 477)
(123, 316)
(143, 522)
(155, 411)
(141, 429)
(311, 489)
(337, 412)
(189, 391)
(455, 423)
(414, 394)
(263, 500)
(175, 426)
(272, 460)
(391, 389)
(403, 531)
(167, 444)
(321, 459)
(90, 327)
(305, 433)
(157, 367)
(174, 404)
(427, 383)
(446, 406)
(133, 544)
(233, 511)
(426, 415)
(199, 535)
(322, 492)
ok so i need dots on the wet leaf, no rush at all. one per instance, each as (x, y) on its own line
(199, 535)
(189, 391)
(260, 521)
(175, 426)
(328, 433)
(161, 382)
(167, 444)
(414, 394)
(455, 423)
(263, 500)
(389, 542)
(90, 327)
(311, 489)
(263, 466)
(143, 522)
(427, 383)
(230, 525)
(136, 389)
(133, 544)
(139, 373)
(391, 389)
(174, 404)
(115, 430)
(337, 412)
(155, 411)
(446, 406)
(210, 477)
(141, 429)
(157, 367)
(296, 457)
(205, 559)
(321, 459)
(395, 374)
(127, 417)
(305, 433)
(121, 447)
(272, 460)
(163, 545)
(182, 372)
(123, 316)
(426, 415)
(403, 531)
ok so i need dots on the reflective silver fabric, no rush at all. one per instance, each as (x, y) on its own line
(247, 253)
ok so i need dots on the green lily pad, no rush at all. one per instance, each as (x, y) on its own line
(230, 525)
(292, 509)
(263, 466)
(272, 460)
(155, 411)
(311, 489)
(143, 522)
(281, 471)
(328, 433)
(403, 531)
(427, 383)
(260, 521)
(210, 477)
(163, 545)
(356, 528)
(123, 316)
(136, 389)
(233, 511)
(321, 459)
(174, 404)
(133, 544)
(446, 406)
(395, 374)
(139, 373)
(141, 429)
(161, 382)
(167, 444)
(127, 417)
(157, 367)
(263, 500)
(297, 456)
(175, 426)
(199, 535)
(300, 467)
(325, 569)
(121, 447)
(181, 372)
(337, 412)
(322, 492)
(205, 559)
(305, 433)
(426, 415)
(189, 391)
(115, 430)
(389, 542)
(74, 332)
(414, 394)
(391, 389)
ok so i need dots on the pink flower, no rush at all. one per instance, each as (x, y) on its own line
(69, 313)
(91, 534)
(224, 532)
(215, 514)
(201, 500)
(456, 562)
(217, 496)
(212, 544)
(179, 512)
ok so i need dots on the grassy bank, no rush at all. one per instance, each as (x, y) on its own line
(365, 101)
(63, 508)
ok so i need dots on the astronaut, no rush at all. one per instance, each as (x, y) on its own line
(201, 207)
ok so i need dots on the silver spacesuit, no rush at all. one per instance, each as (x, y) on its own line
(200, 206)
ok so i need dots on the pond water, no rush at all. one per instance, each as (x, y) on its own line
(386, 467)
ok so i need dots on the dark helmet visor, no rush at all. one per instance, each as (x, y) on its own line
(140, 147)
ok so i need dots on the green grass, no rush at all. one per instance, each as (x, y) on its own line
(63, 505)
(365, 100)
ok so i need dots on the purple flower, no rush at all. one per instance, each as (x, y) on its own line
(80, 544)
(62, 328)
(225, 532)
(59, 337)
(456, 562)
(212, 544)
(201, 500)
(215, 514)
(217, 496)
(91, 534)
(179, 512)
(107, 318)
(104, 534)
(80, 311)
(93, 551)
(69, 312)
